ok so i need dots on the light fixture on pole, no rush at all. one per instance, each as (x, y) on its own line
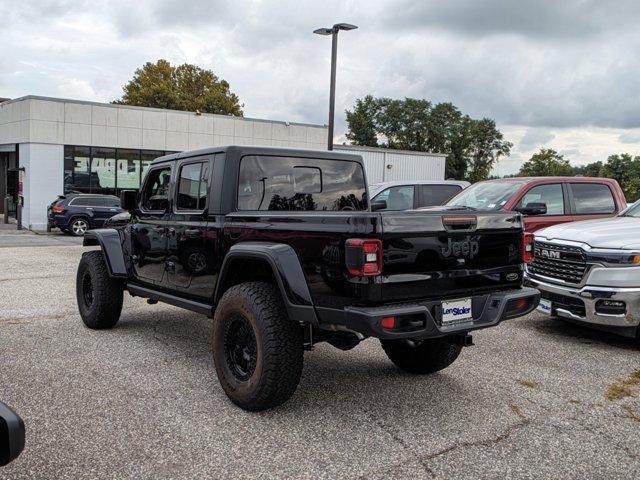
(333, 31)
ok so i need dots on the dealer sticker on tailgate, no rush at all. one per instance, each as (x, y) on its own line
(456, 310)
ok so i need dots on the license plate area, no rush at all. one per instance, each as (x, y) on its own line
(456, 311)
(545, 306)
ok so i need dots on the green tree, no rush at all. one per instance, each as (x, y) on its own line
(472, 146)
(362, 128)
(185, 87)
(626, 170)
(486, 146)
(547, 162)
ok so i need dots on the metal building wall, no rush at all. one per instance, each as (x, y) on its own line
(383, 165)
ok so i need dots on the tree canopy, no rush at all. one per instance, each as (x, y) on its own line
(472, 146)
(185, 87)
(547, 162)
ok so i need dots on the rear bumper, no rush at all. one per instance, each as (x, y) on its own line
(56, 221)
(579, 305)
(424, 318)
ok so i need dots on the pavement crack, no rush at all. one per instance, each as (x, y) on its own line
(407, 447)
(487, 442)
(38, 277)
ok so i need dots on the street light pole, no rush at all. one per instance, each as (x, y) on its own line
(333, 31)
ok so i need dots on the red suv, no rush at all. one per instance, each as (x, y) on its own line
(546, 201)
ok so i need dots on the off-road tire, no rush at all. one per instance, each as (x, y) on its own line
(421, 357)
(278, 346)
(102, 309)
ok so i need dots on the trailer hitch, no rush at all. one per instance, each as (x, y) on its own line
(462, 339)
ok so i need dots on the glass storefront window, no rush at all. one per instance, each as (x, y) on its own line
(77, 176)
(105, 170)
(129, 169)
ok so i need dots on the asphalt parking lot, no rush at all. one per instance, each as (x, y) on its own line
(534, 398)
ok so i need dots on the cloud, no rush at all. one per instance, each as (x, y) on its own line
(630, 137)
(543, 65)
(569, 152)
(542, 20)
(535, 138)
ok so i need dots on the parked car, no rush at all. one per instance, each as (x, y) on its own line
(589, 272)
(12, 435)
(403, 195)
(77, 213)
(280, 247)
(546, 201)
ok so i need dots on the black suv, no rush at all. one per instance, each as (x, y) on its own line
(280, 247)
(77, 213)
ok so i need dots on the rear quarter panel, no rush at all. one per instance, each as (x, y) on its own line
(318, 239)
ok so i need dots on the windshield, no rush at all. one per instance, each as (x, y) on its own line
(632, 211)
(486, 195)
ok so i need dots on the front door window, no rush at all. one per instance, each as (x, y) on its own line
(155, 196)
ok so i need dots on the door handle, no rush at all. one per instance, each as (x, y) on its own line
(192, 232)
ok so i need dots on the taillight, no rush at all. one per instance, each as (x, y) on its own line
(527, 247)
(57, 209)
(364, 256)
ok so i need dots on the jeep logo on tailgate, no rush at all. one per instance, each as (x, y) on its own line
(464, 248)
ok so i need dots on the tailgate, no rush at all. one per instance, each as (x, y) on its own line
(437, 254)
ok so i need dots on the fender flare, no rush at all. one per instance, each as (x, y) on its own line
(286, 269)
(109, 241)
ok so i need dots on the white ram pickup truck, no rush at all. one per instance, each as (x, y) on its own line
(589, 272)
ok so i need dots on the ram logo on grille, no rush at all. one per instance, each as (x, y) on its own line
(543, 252)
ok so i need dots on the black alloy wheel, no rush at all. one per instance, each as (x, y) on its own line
(241, 350)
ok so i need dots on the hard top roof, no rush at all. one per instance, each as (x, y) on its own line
(240, 151)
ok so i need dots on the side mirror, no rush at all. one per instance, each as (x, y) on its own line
(378, 205)
(129, 200)
(11, 435)
(533, 208)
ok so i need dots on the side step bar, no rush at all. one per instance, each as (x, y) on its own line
(144, 292)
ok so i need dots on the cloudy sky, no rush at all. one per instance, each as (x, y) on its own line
(562, 75)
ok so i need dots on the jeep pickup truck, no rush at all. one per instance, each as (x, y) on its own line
(282, 250)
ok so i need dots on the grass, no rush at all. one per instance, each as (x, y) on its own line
(516, 409)
(632, 415)
(528, 383)
(623, 388)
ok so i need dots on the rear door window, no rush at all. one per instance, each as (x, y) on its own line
(437, 194)
(193, 186)
(592, 198)
(550, 194)
(397, 198)
(295, 183)
(82, 202)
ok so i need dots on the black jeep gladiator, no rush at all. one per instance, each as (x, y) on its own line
(281, 248)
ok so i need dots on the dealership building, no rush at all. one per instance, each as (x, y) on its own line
(51, 146)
